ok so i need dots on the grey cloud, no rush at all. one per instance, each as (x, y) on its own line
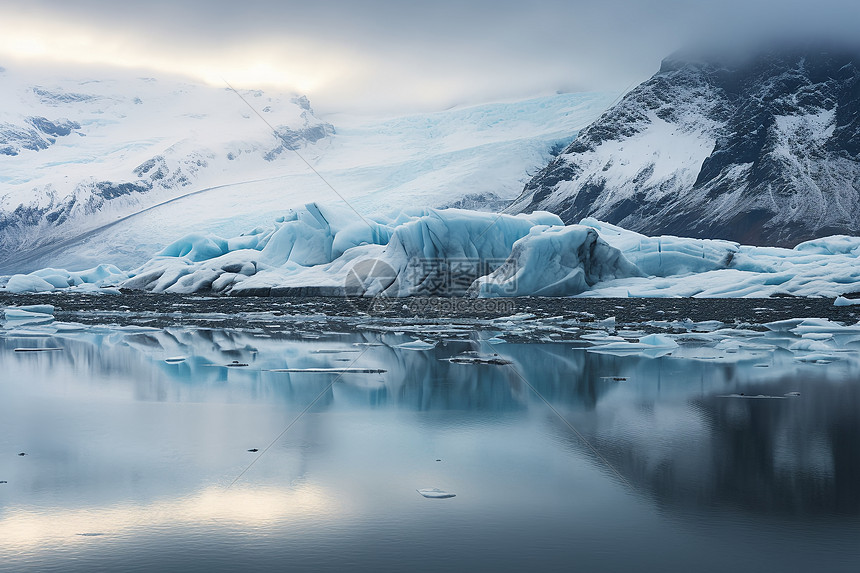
(468, 50)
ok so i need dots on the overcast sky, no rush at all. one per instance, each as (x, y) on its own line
(387, 55)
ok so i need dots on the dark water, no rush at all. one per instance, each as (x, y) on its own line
(564, 460)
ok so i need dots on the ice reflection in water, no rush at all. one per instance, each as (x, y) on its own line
(140, 451)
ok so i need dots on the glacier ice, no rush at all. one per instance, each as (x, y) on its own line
(556, 261)
(325, 250)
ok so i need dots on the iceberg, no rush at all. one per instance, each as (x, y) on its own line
(666, 256)
(49, 280)
(326, 250)
(556, 261)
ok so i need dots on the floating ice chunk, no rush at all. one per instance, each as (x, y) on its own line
(817, 357)
(20, 314)
(602, 338)
(101, 275)
(808, 345)
(47, 280)
(196, 247)
(555, 261)
(817, 335)
(475, 358)
(516, 317)
(496, 340)
(666, 256)
(58, 278)
(783, 325)
(348, 370)
(658, 341)
(417, 345)
(842, 301)
(702, 326)
(833, 245)
(69, 326)
(651, 346)
(822, 325)
(435, 493)
(27, 283)
(29, 311)
(755, 397)
(728, 345)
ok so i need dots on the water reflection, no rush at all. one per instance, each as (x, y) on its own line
(116, 436)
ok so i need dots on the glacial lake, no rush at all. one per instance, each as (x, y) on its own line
(703, 459)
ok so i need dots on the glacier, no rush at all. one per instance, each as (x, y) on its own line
(108, 166)
(323, 249)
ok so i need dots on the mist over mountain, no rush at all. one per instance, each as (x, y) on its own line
(761, 149)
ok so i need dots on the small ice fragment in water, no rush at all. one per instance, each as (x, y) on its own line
(435, 493)
(40, 311)
(757, 396)
(175, 359)
(38, 308)
(331, 351)
(347, 370)
(475, 358)
(417, 345)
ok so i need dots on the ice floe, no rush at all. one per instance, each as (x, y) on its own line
(652, 345)
(435, 493)
(349, 370)
(417, 345)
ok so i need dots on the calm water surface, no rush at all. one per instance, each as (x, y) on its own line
(564, 460)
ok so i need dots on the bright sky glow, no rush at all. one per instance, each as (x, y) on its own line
(393, 55)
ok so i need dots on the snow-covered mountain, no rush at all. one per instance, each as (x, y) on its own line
(112, 166)
(78, 152)
(760, 151)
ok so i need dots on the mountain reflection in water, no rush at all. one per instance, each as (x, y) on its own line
(108, 423)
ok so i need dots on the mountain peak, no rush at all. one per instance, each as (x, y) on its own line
(763, 149)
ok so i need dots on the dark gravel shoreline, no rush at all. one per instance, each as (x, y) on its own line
(169, 309)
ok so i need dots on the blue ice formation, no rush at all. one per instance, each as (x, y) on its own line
(327, 250)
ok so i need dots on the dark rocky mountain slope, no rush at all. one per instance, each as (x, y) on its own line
(764, 151)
